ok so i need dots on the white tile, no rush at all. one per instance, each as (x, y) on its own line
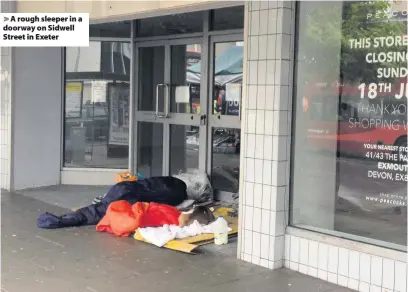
(260, 121)
(333, 259)
(342, 281)
(255, 260)
(249, 194)
(251, 96)
(255, 5)
(269, 120)
(280, 121)
(304, 251)
(322, 275)
(294, 249)
(264, 5)
(249, 217)
(247, 258)
(270, 72)
(266, 197)
(276, 265)
(257, 220)
(353, 284)
(323, 255)
(251, 121)
(365, 267)
(252, 72)
(284, 49)
(332, 277)
(260, 99)
(313, 252)
(262, 75)
(259, 146)
(400, 277)
(302, 269)
(273, 4)
(269, 97)
(258, 193)
(343, 262)
(287, 246)
(256, 244)
(263, 16)
(388, 274)
(354, 265)
(284, 22)
(278, 198)
(277, 226)
(258, 169)
(282, 72)
(264, 263)
(248, 242)
(281, 98)
(268, 142)
(267, 172)
(374, 288)
(250, 169)
(279, 148)
(250, 146)
(312, 272)
(263, 47)
(272, 23)
(294, 266)
(364, 287)
(276, 248)
(271, 43)
(253, 47)
(376, 271)
(254, 27)
(264, 246)
(279, 173)
(265, 221)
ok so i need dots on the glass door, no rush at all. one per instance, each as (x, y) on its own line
(170, 125)
(224, 125)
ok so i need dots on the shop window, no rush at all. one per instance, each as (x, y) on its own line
(349, 164)
(171, 24)
(227, 18)
(111, 29)
(96, 124)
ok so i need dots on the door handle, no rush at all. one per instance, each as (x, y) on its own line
(165, 113)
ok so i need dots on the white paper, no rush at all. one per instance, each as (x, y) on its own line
(73, 99)
(233, 92)
(98, 91)
(183, 94)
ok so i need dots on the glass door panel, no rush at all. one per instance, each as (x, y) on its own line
(150, 148)
(185, 78)
(184, 146)
(151, 76)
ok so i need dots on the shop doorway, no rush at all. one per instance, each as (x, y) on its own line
(188, 98)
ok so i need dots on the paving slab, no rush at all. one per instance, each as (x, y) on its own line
(83, 260)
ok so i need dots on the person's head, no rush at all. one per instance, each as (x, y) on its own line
(202, 214)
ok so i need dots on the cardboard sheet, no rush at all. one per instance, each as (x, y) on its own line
(189, 244)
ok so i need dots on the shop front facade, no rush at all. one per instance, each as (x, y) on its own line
(298, 107)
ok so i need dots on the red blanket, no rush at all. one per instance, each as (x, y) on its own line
(123, 218)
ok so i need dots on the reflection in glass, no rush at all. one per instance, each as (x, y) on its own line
(150, 149)
(111, 29)
(96, 124)
(185, 78)
(350, 125)
(151, 74)
(227, 80)
(184, 148)
(227, 18)
(171, 24)
(225, 159)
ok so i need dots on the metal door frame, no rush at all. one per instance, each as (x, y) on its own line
(216, 120)
(173, 118)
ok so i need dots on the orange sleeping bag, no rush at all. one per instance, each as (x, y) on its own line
(122, 218)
